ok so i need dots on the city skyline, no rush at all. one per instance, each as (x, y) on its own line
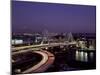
(37, 16)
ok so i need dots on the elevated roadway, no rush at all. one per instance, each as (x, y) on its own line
(47, 60)
(37, 47)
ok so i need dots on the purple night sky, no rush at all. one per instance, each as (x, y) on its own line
(36, 16)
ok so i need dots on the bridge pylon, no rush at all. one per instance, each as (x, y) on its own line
(70, 37)
(45, 37)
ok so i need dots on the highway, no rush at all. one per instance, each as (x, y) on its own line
(37, 47)
(47, 60)
(47, 57)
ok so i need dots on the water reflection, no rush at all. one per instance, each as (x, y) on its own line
(82, 56)
(86, 57)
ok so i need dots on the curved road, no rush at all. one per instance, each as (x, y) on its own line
(47, 60)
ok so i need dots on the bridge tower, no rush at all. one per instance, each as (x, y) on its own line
(45, 37)
(70, 37)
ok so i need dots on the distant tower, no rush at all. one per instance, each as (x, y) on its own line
(70, 37)
(45, 36)
(92, 44)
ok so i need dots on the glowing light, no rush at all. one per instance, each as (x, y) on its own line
(86, 57)
(81, 56)
(77, 55)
